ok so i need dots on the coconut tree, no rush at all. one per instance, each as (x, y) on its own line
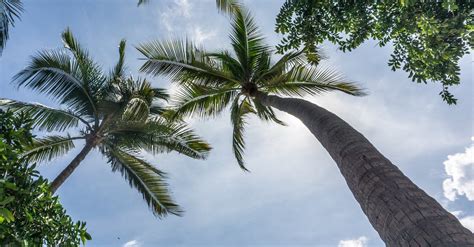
(9, 11)
(118, 115)
(252, 83)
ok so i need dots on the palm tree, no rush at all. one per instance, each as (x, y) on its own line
(118, 115)
(247, 79)
(9, 11)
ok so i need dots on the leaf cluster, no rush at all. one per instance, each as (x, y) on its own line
(428, 38)
(29, 213)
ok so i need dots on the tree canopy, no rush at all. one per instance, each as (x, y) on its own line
(29, 213)
(428, 38)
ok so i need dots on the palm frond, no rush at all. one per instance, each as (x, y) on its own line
(10, 10)
(202, 101)
(148, 181)
(238, 113)
(182, 140)
(261, 65)
(302, 80)
(54, 73)
(227, 6)
(47, 148)
(119, 67)
(92, 78)
(229, 64)
(158, 136)
(266, 113)
(246, 40)
(137, 109)
(182, 61)
(160, 93)
(157, 108)
(46, 118)
(285, 63)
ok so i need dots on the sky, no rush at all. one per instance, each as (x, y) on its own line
(294, 194)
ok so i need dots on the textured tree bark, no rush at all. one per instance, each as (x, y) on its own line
(401, 212)
(59, 180)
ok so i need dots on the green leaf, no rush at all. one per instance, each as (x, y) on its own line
(146, 179)
(239, 110)
(7, 214)
(50, 147)
(46, 118)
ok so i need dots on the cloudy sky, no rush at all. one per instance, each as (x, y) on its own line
(294, 195)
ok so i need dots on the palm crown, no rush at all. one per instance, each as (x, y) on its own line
(210, 81)
(119, 115)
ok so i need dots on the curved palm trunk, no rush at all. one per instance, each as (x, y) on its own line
(59, 180)
(401, 212)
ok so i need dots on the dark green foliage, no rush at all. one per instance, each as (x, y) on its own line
(10, 11)
(428, 38)
(29, 213)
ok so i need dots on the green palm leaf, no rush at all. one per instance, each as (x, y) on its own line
(246, 41)
(227, 6)
(55, 74)
(201, 100)
(119, 68)
(10, 10)
(239, 110)
(302, 80)
(266, 113)
(285, 63)
(182, 61)
(92, 79)
(50, 147)
(182, 140)
(46, 118)
(158, 136)
(137, 109)
(148, 180)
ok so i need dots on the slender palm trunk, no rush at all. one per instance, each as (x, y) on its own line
(59, 180)
(401, 212)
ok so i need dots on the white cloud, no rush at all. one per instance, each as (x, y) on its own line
(199, 36)
(360, 242)
(460, 169)
(132, 243)
(174, 12)
(456, 213)
(183, 6)
(468, 222)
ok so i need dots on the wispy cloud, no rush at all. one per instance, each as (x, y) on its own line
(176, 10)
(460, 169)
(199, 35)
(359, 242)
(132, 243)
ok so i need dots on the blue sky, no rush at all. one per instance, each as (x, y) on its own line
(294, 195)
